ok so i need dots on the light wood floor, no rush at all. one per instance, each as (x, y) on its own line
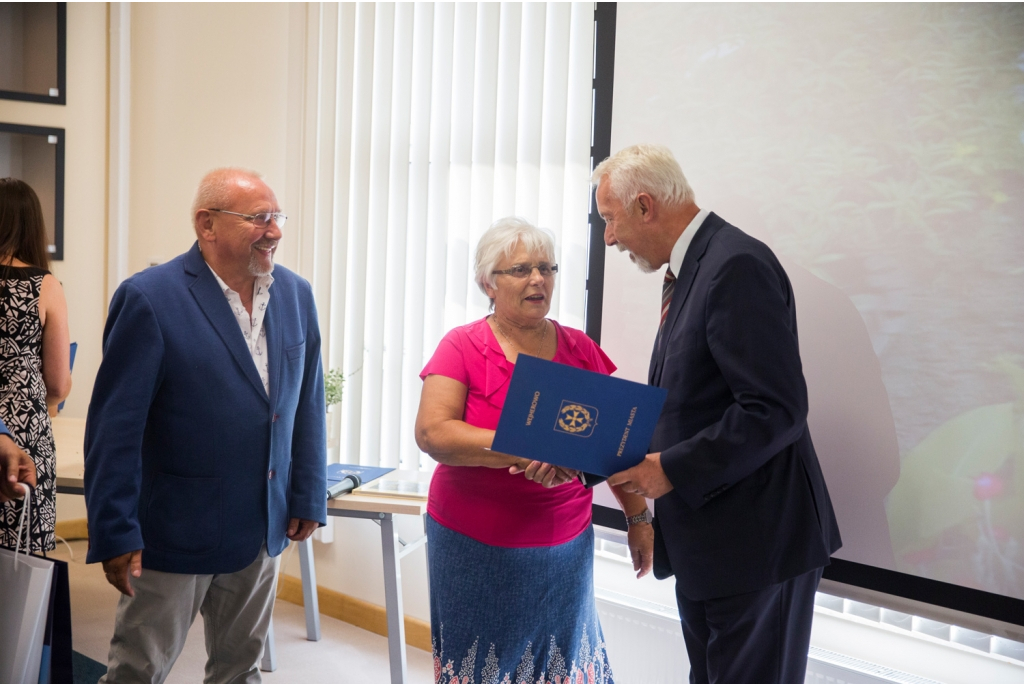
(346, 654)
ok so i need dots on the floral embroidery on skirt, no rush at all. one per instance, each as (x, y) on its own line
(591, 666)
(514, 615)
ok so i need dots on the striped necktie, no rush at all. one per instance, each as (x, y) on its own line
(667, 288)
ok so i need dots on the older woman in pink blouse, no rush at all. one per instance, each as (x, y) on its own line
(511, 542)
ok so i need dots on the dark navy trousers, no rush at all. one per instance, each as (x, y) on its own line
(757, 637)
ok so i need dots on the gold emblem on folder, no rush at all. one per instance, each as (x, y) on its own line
(576, 419)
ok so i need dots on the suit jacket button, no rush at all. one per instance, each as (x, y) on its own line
(270, 476)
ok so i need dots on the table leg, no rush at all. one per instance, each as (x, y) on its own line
(269, 661)
(309, 597)
(393, 599)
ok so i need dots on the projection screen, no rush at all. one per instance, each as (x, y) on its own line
(879, 150)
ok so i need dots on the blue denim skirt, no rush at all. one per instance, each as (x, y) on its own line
(514, 615)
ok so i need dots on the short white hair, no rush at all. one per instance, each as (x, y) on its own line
(501, 239)
(217, 187)
(650, 169)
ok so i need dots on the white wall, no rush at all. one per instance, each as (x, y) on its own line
(209, 88)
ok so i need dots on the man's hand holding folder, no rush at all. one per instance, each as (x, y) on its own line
(646, 478)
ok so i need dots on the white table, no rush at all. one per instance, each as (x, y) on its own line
(380, 509)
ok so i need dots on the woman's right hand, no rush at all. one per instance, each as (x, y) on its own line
(548, 475)
(15, 467)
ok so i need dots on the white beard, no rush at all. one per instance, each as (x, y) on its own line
(641, 263)
(256, 268)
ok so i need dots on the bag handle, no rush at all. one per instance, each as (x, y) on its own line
(21, 525)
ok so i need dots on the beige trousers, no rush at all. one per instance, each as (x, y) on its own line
(150, 628)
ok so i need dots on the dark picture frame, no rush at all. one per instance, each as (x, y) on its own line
(62, 51)
(56, 247)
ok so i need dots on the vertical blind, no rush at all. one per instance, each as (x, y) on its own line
(423, 123)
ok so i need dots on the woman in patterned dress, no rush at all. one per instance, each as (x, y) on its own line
(511, 548)
(35, 365)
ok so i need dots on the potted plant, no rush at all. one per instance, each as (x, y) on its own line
(334, 382)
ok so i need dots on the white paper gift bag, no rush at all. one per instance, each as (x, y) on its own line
(24, 598)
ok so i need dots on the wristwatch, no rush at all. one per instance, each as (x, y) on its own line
(643, 517)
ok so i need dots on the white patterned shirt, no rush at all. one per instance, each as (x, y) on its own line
(252, 326)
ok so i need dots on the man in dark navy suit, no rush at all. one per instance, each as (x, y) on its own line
(743, 518)
(205, 446)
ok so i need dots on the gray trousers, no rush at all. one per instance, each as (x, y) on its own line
(151, 627)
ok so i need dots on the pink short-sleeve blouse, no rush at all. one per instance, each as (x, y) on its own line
(491, 505)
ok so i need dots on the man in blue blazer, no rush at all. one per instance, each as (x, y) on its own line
(743, 517)
(205, 442)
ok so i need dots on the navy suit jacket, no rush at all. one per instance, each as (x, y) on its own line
(750, 507)
(186, 457)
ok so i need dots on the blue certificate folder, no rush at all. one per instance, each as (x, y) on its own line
(578, 419)
(74, 348)
(337, 472)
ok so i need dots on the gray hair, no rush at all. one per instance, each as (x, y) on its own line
(501, 239)
(217, 187)
(651, 169)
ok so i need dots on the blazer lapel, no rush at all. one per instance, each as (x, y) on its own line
(215, 306)
(275, 348)
(652, 372)
(684, 282)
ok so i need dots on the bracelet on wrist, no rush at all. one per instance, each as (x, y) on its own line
(643, 517)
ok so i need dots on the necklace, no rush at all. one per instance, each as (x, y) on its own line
(509, 341)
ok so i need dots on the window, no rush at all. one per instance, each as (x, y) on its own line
(426, 122)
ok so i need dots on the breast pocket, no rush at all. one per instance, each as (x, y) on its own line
(689, 364)
(684, 349)
(292, 373)
(295, 352)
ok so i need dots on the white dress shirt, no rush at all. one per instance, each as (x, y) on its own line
(252, 326)
(675, 260)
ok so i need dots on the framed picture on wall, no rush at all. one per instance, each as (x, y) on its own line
(35, 155)
(33, 51)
